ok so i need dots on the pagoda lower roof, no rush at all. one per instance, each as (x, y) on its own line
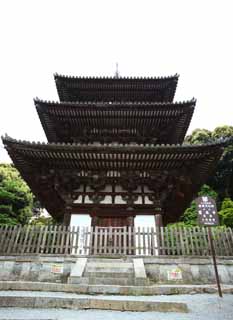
(122, 121)
(110, 156)
(39, 162)
(116, 89)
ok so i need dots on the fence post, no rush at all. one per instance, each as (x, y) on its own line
(158, 225)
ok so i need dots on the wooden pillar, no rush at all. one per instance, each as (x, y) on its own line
(67, 217)
(158, 220)
(94, 221)
(130, 221)
(158, 225)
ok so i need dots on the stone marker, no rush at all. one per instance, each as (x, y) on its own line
(139, 268)
(79, 267)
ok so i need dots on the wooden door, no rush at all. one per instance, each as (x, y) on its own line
(112, 235)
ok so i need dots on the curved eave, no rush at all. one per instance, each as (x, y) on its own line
(81, 88)
(78, 115)
(27, 155)
(23, 144)
(36, 160)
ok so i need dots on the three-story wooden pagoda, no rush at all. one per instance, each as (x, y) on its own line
(114, 151)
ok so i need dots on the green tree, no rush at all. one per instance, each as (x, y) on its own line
(190, 215)
(222, 179)
(43, 221)
(222, 132)
(226, 213)
(16, 199)
(199, 136)
(189, 218)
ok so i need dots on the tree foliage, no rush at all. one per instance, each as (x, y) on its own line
(222, 180)
(189, 218)
(226, 213)
(42, 221)
(222, 132)
(220, 184)
(16, 199)
(199, 136)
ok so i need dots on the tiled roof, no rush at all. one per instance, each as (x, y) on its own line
(139, 122)
(116, 89)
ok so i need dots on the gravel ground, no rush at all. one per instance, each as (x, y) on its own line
(201, 306)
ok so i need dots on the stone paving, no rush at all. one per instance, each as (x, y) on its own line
(83, 302)
(201, 306)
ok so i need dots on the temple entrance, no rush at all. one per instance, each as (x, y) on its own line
(112, 235)
(106, 222)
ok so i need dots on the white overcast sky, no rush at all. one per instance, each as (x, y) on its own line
(146, 38)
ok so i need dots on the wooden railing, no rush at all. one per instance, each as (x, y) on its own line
(105, 241)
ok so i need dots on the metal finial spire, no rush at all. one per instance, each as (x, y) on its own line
(117, 72)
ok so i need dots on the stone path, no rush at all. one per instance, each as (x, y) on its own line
(83, 302)
(201, 306)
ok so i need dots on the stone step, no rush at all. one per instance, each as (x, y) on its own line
(142, 282)
(104, 274)
(158, 289)
(107, 260)
(111, 281)
(109, 270)
(109, 265)
(102, 281)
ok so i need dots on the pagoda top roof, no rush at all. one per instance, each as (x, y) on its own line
(141, 122)
(160, 89)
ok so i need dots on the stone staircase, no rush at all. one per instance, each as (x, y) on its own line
(107, 271)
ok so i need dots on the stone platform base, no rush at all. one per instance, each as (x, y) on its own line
(177, 270)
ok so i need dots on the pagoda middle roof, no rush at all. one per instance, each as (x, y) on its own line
(107, 122)
(160, 89)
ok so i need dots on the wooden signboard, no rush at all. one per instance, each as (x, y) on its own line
(207, 211)
(208, 216)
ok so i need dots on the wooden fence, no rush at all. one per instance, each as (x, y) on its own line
(103, 241)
